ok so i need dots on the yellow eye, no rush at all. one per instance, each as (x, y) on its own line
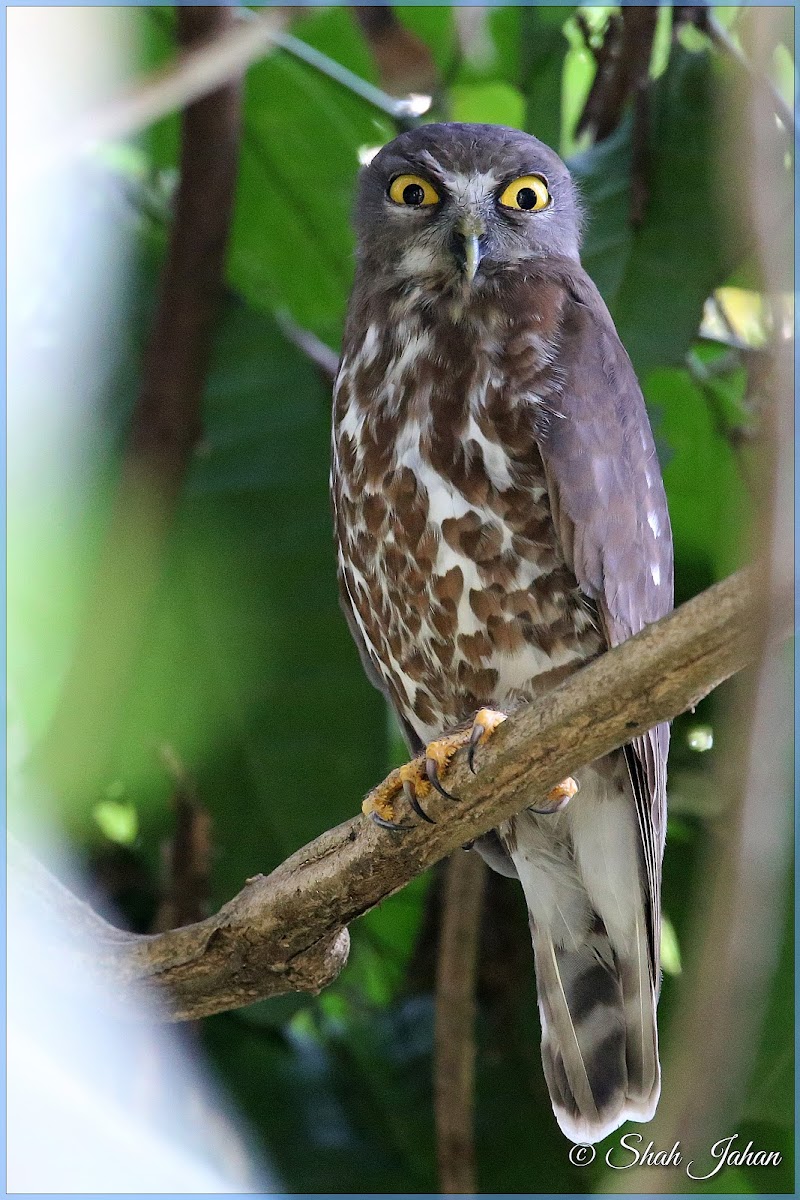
(528, 193)
(412, 191)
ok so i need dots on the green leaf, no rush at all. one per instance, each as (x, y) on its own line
(488, 103)
(291, 243)
(118, 821)
(670, 949)
(543, 52)
(708, 501)
(656, 279)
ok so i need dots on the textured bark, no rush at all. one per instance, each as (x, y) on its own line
(288, 931)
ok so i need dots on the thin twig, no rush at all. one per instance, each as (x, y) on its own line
(606, 56)
(622, 69)
(165, 426)
(454, 1062)
(225, 50)
(287, 932)
(320, 354)
(405, 64)
(404, 112)
(248, 38)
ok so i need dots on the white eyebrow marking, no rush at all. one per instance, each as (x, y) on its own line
(469, 189)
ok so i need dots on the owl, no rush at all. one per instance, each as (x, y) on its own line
(501, 520)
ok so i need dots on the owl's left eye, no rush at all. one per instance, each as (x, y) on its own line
(413, 191)
(528, 193)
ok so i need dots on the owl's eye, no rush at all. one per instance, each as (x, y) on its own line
(412, 191)
(528, 193)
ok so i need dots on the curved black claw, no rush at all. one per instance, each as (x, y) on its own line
(433, 778)
(384, 824)
(476, 735)
(551, 812)
(411, 797)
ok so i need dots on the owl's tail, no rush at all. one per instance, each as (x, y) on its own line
(594, 983)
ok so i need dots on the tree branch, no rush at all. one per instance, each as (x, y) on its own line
(287, 932)
(622, 69)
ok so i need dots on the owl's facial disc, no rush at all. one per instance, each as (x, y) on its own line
(460, 209)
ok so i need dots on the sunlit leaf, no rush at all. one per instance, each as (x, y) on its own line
(670, 949)
(494, 103)
(118, 821)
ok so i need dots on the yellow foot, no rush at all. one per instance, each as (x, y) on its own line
(559, 796)
(415, 779)
(409, 781)
(485, 722)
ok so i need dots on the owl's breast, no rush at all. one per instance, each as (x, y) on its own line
(448, 553)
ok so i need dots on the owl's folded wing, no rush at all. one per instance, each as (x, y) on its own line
(610, 510)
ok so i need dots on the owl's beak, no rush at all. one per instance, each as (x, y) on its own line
(467, 245)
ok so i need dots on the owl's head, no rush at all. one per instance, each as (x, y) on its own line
(452, 205)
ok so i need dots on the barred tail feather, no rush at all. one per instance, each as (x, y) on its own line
(641, 1044)
(598, 1046)
(581, 873)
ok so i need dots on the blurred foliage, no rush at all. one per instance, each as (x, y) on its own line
(249, 673)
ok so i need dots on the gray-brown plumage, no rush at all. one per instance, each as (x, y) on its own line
(501, 519)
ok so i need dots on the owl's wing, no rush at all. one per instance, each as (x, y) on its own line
(610, 509)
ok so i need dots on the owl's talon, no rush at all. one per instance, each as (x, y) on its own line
(432, 773)
(483, 726)
(411, 796)
(415, 780)
(384, 824)
(474, 737)
(558, 797)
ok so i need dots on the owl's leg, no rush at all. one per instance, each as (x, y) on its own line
(415, 780)
(484, 725)
(410, 781)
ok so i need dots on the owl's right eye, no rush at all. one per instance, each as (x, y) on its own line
(412, 191)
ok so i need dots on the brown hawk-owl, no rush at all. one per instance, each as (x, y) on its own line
(501, 518)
